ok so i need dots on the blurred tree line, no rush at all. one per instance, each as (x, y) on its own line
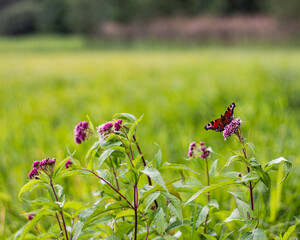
(82, 16)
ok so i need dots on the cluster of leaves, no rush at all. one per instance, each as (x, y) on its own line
(135, 202)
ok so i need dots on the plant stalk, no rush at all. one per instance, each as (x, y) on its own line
(208, 195)
(241, 139)
(144, 162)
(60, 212)
(118, 192)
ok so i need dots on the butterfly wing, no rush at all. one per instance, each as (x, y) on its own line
(220, 123)
(215, 125)
(229, 113)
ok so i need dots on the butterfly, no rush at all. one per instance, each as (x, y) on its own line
(220, 123)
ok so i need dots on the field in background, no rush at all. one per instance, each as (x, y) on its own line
(49, 84)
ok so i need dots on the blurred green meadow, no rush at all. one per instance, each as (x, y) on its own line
(48, 85)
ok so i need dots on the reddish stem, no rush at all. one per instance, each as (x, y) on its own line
(60, 212)
(208, 194)
(144, 162)
(121, 195)
(241, 139)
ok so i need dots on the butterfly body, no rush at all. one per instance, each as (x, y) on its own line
(220, 123)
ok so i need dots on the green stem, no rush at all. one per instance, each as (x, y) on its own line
(208, 195)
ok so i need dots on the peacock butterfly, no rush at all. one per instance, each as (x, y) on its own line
(220, 123)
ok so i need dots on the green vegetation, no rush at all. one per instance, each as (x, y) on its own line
(45, 93)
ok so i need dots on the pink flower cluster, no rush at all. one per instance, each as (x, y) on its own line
(81, 132)
(46, 165)
(233, 127)
(107, 127)
(192, 147)
(205, 153)
(118, 124)
(31, 216)
(193, 150)
(68, 164)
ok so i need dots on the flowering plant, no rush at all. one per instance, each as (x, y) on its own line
(134, 200)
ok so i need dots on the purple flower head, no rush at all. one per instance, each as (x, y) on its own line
(192, 147)
(68, 164)
(33, 173)
(205, 153)
(104, 128)
(51, 161)
(44, 162)
(36, 164)
(118, 124)
(80, 132)
(30, 216)
(239, 175)
(233, 127)
(202, 143)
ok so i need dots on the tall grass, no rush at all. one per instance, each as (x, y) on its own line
(44, 94)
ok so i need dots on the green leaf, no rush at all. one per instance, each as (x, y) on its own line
(273, 165)
(157, 188)
(104, 155)
(243, 208)
(125, 116)
(176, 167)
(113, 237)
(256, 234)
(124, 228)
(264, 176)
(77, 229)
(105, 174)
(34, 221)
(125, 213)
(213, 168)
(250, 176)
(177, 224)
(155, 175)
(236, 158)
(209, 189)
(160, 222)
(209, 237)
(234, 216)
(29, 186)
(133, 128)
(73, 205)
(175, 205)
(213, 203)
(289, 231)
(150, 199)
(202, 216)
(158, 158)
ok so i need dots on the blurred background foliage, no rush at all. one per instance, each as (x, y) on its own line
(83, 16)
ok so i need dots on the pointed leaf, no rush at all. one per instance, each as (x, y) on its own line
(155, 175)
(160, 222)
(29, 186)
(202, 216)
(256, 234)
(176, 167)
(208, 189)
(133, 128)
(273, 165)
(289, 231)
(175, 206)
